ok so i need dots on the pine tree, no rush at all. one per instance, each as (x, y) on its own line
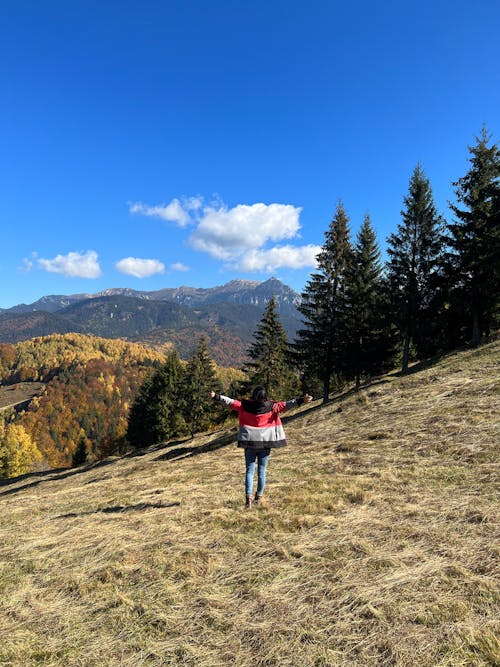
(414, 267)
(320, 346)
(474, 237)
(368, 340)
(270, 362)
(200, 412)
(80, 455)
(156, 414)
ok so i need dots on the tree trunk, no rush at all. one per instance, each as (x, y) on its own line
(406, 352)
(358, 369)
(326, 390)
(476, 329)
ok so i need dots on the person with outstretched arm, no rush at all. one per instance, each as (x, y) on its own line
(260, 431)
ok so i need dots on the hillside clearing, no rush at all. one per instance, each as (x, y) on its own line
(19, 393)
(377, 543)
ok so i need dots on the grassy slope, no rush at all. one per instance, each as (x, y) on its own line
(20, 392)
(375, 545)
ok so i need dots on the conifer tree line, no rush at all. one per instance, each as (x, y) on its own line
(173, 401)
(437, 289)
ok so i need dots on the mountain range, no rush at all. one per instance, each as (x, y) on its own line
(226, 315)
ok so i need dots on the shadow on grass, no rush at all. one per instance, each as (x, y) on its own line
(48, 476)
(418, 366)
(432, 361)
(334, 398)
(35, 478)
(155, 448)
(120, 509)
(185, 452)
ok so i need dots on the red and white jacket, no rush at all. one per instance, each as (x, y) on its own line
(260, 423)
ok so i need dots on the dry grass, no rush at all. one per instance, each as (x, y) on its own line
(376, 544)
(22, 392)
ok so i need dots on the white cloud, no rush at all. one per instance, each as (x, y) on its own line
(73, 265)
(241, 236)
(292, 257)
(140, 268)
(27, 265)
(174, 212)
(179, 266)
(192, 203)
(226, 233)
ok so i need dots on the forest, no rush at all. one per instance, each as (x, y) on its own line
(437, 290)
(81, 415)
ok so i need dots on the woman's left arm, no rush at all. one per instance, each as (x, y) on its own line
(283, 406)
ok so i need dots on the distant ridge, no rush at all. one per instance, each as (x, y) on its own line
(226, 315)
(235, 291)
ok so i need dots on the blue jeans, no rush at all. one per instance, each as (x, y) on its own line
(252, 455)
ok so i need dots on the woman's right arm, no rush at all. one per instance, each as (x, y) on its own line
(231, 403)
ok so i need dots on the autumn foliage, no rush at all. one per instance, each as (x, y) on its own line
(89, 384)
(18, 452)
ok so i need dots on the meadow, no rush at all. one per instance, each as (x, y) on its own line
(376, 544)
(22, 392)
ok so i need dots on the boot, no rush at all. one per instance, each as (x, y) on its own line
(257, 499)
(248, 502)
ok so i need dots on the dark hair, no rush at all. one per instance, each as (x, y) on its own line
(259, 394)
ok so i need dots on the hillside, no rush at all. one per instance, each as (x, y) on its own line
(82, 388)
(22, 326)
(227, 327)
(375, 545)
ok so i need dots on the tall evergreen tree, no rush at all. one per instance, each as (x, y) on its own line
(321, 344)
(199, 410)
(474, 236)
(368, 341)
(270, 361)
(81, 454)
(414, 266)
(156, 414)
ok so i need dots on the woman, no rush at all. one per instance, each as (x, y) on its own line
(260, 431)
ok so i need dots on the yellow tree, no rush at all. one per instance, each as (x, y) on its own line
(18, 453)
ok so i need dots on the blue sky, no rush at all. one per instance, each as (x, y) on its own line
(157, 143)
